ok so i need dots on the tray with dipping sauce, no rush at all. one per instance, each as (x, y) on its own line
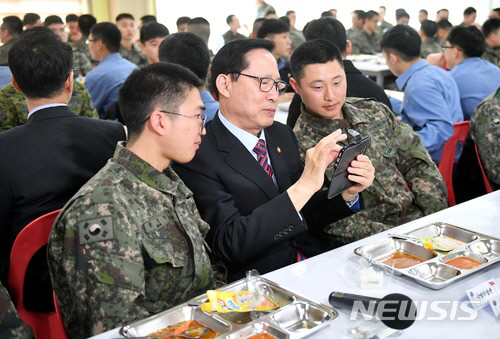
(295, 317)
(414, 254)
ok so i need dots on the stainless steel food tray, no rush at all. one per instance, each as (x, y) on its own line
(434, 272)
(296, 317)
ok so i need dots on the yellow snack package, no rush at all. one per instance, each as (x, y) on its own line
(225, 302)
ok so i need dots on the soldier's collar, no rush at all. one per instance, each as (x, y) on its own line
(322, 125)
(167, 181)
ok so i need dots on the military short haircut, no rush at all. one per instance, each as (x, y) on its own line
(272, 26)
(360, 14)
(71, 18)
(371, 14)
(232, 59)
(469, 39)
(329, 29)
(317, 51)
(147, 19)
(53, 19)
(30, 18)
(285, 19)
(491, 26)
(403, 41)
(424, 11)
(40, 63)
(122, 16)
(326, 14)
(153, 30)
(182, 20)
(429, 28)
(186, 49)
(401, 13)
(162, 85)
(290, 12)
(109, 34)
(198, 21)
(85, 23)
(444, 24)
(229, 18)
(469, 11)
(13, 25)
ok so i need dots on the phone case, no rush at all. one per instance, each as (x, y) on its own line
(348, 153)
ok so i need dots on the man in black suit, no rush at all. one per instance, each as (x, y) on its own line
(45, 161)
(247, 178)
(357, 84)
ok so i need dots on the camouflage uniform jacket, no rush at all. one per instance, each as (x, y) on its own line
(129, 244)
(11, 327)
(14, 111)
(363, 43)
(429, 46)
(230, 36)
(485, 131)
(352, 33)
(383, 27)
(133, 55)
(4, 52)
(407, 183)
(492, 55)
(81, 63)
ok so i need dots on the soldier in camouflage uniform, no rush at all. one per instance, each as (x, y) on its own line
(133, 55)
(491, 32)
(11, 327)
(485, 131)
(367, 40)
(14, 112)
(492, 55)
(131, 243)
(407, 183)
(427, 33)
(81, 63)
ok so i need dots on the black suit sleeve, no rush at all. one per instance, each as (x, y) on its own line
(235, 237)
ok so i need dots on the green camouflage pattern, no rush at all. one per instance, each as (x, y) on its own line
(383, 27)
(407, 182)
(352, 32)
(14, 111)
(4, 52)
(431, 45)
(129, 244)
(492, 55)
(362, 43)
(81, 63)
(230, 36)
(11, 326)
(485, 131)
(133, 55)
(297, 38)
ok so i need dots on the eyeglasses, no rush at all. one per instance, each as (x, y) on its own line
(266, 84)
(202, 117)
(444, 47)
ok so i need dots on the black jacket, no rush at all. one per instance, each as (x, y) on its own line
(43, 163)
(253, 223)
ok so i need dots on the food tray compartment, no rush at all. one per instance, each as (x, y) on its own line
(451, 260)
(442, 229)
(434, 272)
(485, 247)
(171, 317)
(381, 251)
(259, 328)
(281, 297)
(300, 317)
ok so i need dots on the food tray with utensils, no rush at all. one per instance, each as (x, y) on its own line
(419, 254)
(295, 317)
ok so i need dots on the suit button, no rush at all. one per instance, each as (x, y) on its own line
(280, 234)
(291, 228)
(276, 237)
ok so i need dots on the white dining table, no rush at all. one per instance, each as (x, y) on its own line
(338, 270)
(371, 65)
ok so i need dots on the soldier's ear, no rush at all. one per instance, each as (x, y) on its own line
(348, 47)
(16, 86)
(295, 85)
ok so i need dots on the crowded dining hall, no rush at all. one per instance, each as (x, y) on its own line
(249, 169)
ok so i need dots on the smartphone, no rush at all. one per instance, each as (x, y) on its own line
(347, 154)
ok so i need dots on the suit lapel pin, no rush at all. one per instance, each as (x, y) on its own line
(278, 149)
